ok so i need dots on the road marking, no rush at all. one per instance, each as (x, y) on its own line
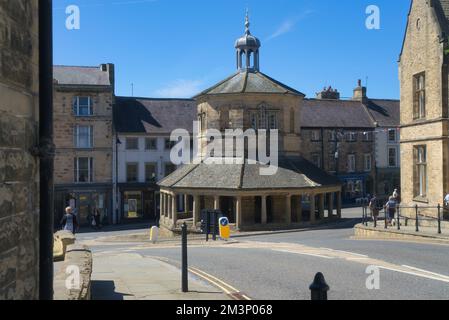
(303, 253)
(425, 271)
(415, 274)
(347, 252)
(227, 288)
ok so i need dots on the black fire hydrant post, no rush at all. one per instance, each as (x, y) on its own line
(319, 288)
(185, 271)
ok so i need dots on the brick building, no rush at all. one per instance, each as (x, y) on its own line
(83, 108)
(19, 169)
(423, 71)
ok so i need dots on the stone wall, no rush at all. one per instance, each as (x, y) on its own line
(64, 126)
(423, 52)
(19, 170)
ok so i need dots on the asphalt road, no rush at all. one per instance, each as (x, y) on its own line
(282, 266)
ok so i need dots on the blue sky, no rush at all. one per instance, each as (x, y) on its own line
(176, 48)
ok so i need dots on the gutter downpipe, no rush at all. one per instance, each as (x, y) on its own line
(46, 150)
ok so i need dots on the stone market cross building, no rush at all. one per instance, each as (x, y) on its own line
(299, 191)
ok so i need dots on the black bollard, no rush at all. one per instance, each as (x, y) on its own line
(185, 271)
(439, 219)
(319, 288)
(417, 219)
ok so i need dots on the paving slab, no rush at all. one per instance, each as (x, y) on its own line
(130, 276)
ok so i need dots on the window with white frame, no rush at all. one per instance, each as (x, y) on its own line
(392, 135)
(132, 172)
(392, 157)
(316, 135)
(82, 106)
(368, 136)
(419, 98)
(351, 136)
(367, 162)
(132, 143)
(151, 144)
(84, 137)
(351, 163)
(83, 169)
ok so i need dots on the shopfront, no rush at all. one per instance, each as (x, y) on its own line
(138, 202)
(354, 188)
(84, 201)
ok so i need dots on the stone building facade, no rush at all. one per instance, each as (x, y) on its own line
(296, 193)
(19, 169)
(345, 138)
(83, 128)
(423, 72)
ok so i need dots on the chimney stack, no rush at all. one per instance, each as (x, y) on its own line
(328, 94)
(359, 92)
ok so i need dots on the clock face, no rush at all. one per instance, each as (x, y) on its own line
(224, 222)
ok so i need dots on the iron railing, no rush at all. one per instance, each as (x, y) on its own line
(398, 217)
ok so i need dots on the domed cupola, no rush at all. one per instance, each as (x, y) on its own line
(248, 50)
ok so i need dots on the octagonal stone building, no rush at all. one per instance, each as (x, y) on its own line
(296, 194)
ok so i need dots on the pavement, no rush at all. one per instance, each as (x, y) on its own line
(132, 276)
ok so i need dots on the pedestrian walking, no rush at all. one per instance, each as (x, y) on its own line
(374, 208)
(69, 221)
(97, 218)
(397, 196)
(390, 207)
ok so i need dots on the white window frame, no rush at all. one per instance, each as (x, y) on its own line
(133, 138)
(395, 135)
(353, 157)
(90, 169)
(316, 135)
(367, 162)
(90, 136)
(77, 106)
(137, 172)
(395, 155)
(146, 145)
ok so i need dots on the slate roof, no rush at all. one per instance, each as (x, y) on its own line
(293, 173)
(145, 115)
(250, 81)
(385, 112)
(91, 76)
(317, 113)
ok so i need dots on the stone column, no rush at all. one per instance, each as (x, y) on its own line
(196, 209)
(339, 205)
(288, 209)
(174, 209)
(264, 210)
(321, 205)
(299, 210)
(238, 213)
(186, 203)
(161, 206)
(312, 208)
(169, 206)
(217, 202)
(331, 205)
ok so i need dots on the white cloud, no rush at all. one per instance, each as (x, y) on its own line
(180, 88)
(288, 25)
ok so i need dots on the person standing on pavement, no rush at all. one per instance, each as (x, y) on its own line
(373, 205)
(97, 218)
(69, 222)
(391, 209)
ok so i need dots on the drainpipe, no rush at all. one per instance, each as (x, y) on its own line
(46, 150)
